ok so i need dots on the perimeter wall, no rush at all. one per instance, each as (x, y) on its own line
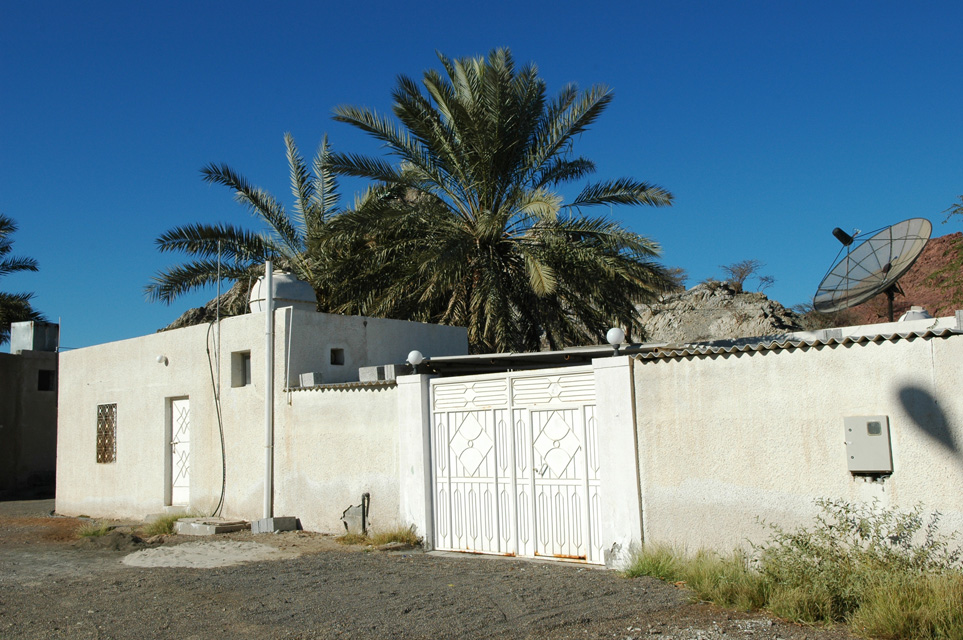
(725, 440)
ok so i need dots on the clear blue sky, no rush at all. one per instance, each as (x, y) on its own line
(770, 122)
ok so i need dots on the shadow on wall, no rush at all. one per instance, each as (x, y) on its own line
(925, 412)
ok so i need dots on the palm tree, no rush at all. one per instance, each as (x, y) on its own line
(242, 252)
(14, 307)
(468, 228)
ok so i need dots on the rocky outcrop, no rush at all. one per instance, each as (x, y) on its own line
(715, 311)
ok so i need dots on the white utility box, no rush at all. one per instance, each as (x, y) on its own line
(867, 444)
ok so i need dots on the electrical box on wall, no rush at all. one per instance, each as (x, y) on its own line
(867, 444)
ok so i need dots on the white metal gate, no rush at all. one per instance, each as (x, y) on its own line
(180, 451)
(515, 464)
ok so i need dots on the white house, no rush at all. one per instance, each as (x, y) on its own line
(577, 454)
(141, 428)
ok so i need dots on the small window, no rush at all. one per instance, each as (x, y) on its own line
(106, 433)
(46, 380)
(337, 356)
(240, 368)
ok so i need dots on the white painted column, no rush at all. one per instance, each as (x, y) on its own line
(414, 451)
(619, 487)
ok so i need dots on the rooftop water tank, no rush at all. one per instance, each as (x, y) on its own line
(288, 292)
(915, 313)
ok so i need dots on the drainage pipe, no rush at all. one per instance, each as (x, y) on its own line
(269, 391)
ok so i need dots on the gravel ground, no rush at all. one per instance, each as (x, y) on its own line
(54, 586)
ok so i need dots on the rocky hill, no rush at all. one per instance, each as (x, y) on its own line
(715, 311)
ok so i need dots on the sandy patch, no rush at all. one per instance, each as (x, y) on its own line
(205, 555)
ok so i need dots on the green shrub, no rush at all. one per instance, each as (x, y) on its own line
(823, 574)
(885, 573)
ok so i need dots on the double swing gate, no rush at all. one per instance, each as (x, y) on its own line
(515, 468)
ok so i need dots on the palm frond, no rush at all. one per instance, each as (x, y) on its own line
(13, 265)
(623, 191)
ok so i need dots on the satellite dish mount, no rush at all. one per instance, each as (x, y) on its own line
(873, 266)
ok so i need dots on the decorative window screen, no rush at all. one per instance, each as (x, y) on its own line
(106, 433)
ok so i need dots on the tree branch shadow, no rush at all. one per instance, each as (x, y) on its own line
(925, 412)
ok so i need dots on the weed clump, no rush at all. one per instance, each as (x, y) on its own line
(404, 535)
(94, 530)
(163, 526)
(884, 572)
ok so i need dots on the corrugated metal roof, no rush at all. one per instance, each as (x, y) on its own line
(349, 386)
(781, 343)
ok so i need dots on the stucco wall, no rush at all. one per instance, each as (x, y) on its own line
(364, 342)
(724, 440)
(28, 424)
(127, 373)
(330, 445)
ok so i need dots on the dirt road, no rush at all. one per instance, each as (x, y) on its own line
(52, 586)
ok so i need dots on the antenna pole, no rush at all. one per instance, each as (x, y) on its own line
(890, 294)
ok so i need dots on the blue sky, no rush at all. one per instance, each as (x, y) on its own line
(770, 122)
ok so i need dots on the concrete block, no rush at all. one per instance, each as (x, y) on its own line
(310, 379)
(207, 526)
(272, 525)
(371, 374)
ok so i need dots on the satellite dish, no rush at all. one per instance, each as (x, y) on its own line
(873, 266)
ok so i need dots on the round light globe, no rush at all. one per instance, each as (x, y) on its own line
(615, 336)
(415, 357)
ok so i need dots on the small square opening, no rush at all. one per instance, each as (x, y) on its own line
(337, 357)
(46, 380)
(240, 368)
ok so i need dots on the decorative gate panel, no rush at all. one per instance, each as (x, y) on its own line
(515, 464)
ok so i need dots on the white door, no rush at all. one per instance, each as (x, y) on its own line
(515, 464)
(180, 452)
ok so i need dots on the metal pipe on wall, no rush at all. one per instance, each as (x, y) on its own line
(269, 392)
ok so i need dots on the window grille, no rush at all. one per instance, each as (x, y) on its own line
(106, 433)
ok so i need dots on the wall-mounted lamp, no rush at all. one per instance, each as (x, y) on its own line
(615, 337)
(414, 359)
(162, 360)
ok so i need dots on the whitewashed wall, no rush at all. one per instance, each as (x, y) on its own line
(330, 446)
(727, 439)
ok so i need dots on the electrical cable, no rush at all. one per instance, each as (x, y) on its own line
(220, 423)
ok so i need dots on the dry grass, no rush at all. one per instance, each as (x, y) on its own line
(352, 538)
(94, 530)
(163, 526)
(404, 535)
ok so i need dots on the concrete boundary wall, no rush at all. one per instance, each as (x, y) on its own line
(725, 439)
